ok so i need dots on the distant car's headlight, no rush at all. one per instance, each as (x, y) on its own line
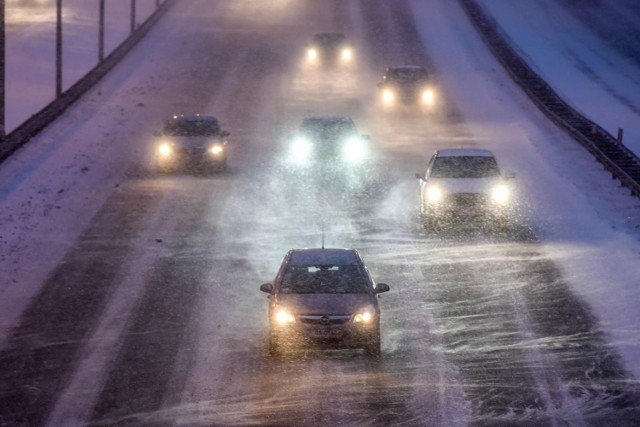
(165, 150)
(428, 96)
(346, 54)
(354, 150)
(300, 151)
(500, 194)
(434, 194)
(284, 317)
(216, 149)
(388, 95)
(312, 54)
(364, 316)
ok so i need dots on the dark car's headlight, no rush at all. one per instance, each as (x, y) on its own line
(216, 149)
(354, 150)
(165, 149)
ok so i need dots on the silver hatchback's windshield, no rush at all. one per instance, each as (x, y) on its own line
(324, 279)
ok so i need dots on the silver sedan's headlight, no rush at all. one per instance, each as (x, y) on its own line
(428, 96)
(346, 54)
(312, 54)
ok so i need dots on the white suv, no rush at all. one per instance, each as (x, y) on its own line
(464, 184)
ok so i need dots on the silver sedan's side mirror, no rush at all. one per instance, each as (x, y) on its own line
(510, 175)
(419, 175)
(225, 134)
(267, 287)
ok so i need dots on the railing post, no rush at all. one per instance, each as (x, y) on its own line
(620, 135)
(101, 33)
(133, 16)
(2, 74)
(58, 48)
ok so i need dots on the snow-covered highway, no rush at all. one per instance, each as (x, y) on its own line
(131, 297)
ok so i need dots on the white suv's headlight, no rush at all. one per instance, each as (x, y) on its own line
(354, 150)
(500, 194)
(434, 194)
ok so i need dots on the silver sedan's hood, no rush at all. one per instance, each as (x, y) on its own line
(324, 303)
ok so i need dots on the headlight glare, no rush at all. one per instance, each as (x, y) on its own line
(434, 194)
(164, 149)
(500, 194)
(216, 149)
(428, 96)
(387, 95)
(284, 317)
(300, 151)
(312, 54)
(354, 150)
(346, 54)
(364, 316)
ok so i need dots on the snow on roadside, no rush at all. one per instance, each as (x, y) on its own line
(588, 224)
(583, 69)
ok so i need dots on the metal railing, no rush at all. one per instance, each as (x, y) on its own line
(9, 143)
(622, 163)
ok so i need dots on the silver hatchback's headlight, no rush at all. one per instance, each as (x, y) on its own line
(216, 149)
(434, 194)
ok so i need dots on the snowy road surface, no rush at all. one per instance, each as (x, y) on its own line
(129, 297)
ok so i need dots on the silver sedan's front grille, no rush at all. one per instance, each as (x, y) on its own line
(328, 319)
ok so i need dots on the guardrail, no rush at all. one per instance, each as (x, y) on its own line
(622, 163)
(40, 120)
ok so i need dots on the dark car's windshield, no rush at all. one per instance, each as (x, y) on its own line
(407, 76)
(324, 279)
(329, 39)
(464, 167)
(327, 129)
(191, 128)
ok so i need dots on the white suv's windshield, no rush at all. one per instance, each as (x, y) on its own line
(464, 167)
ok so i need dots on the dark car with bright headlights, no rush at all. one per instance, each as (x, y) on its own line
(464, 184)
(324, 298)
(323, 143)
(407, 85)
(191, 143)
(329, 49)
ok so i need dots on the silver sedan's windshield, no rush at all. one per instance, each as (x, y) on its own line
(464, 167)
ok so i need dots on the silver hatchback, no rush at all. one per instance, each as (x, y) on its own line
(324, 298)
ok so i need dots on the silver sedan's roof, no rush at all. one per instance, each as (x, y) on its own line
(470, 152)
(194, 118)
(324, 256)
(408, 68)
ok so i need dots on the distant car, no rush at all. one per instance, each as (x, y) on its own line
(464, 184)
(324, 298)
(190, 143)
(408, 85)
(329, 49)
(328, 144)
